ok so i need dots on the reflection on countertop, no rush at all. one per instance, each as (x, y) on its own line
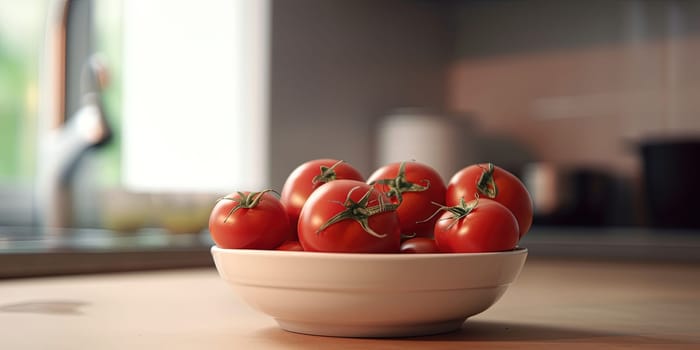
(24, 252)
(29, 239)
(614, 243)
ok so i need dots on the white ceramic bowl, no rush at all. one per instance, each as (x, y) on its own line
(368, 295)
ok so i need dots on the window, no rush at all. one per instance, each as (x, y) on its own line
(194, 100)
(186, 100)
(21, 33)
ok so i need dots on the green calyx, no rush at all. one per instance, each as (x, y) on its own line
(248, 201)
(327, 173)
(360, 212)
(486, 185)
(458, 211)
(399, 185)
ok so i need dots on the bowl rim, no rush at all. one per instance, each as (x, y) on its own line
(369, 256)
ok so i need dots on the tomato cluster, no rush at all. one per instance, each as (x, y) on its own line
(326, 205)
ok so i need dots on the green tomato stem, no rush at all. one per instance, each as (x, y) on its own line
(399, 185)
(244, 201)
(458, 211)
(327, 173)
(486, 184)
(360, 212)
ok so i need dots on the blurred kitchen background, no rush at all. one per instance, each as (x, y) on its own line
(121, 121)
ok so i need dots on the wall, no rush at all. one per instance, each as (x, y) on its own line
(579, 83)
(337, 66)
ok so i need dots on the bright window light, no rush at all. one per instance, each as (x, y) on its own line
(195, 95)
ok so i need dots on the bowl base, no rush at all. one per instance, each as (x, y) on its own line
(372, 331)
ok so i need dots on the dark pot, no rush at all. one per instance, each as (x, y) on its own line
(671, 170)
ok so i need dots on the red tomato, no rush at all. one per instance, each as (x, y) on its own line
(482, 225)
(306, 178)
(349, 216)
(419, 245)
(413, 186)
(246, 220)
(489, 181)
(291, 245)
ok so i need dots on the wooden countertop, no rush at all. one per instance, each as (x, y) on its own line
(554, 304)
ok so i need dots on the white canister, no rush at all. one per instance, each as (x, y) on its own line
(440, 141)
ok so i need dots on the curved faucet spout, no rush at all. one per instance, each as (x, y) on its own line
(63, 140)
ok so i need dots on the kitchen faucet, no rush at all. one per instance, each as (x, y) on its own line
(63, 140)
